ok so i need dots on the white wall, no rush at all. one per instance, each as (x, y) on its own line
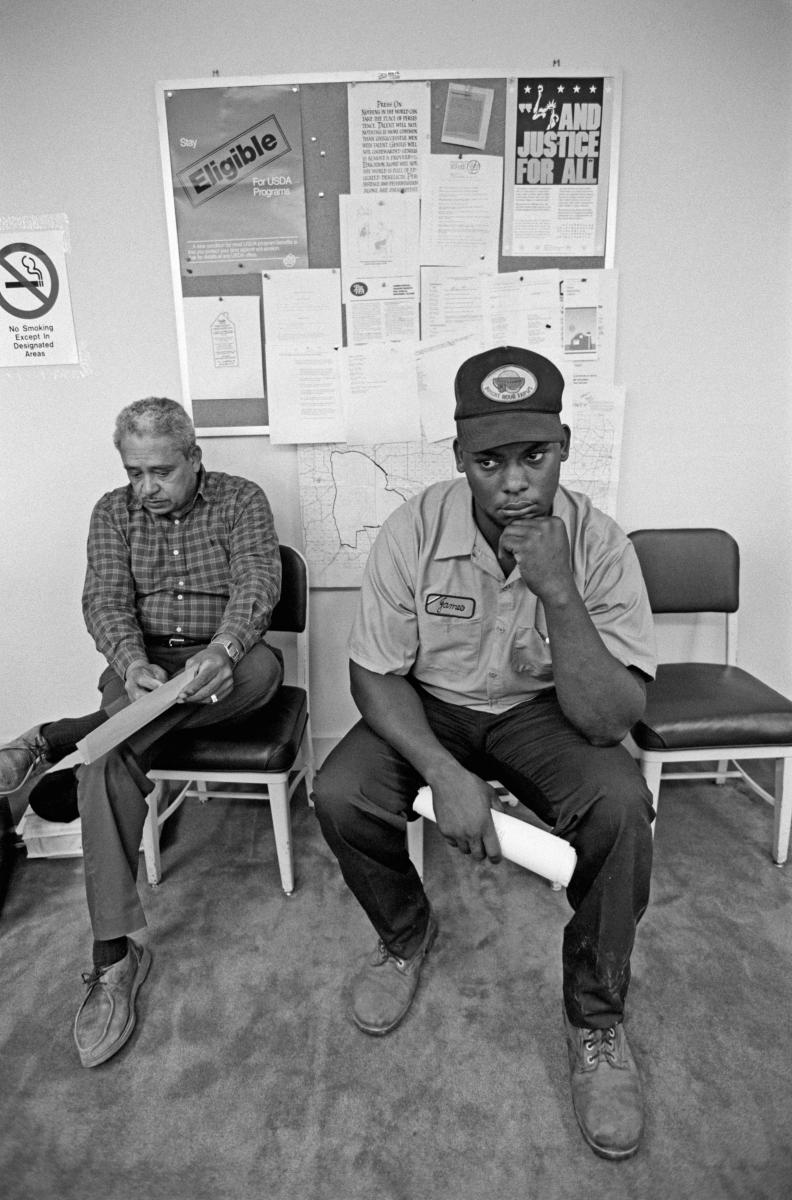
(703, 247)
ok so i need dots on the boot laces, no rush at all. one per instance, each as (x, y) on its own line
(599, 1044)
(383, 954)
(95, 975)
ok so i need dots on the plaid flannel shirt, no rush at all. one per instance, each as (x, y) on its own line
(213, 572)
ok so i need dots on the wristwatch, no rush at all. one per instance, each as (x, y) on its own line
(231, 649)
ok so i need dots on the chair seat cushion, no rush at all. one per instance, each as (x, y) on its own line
(696, 705)
(266, 740)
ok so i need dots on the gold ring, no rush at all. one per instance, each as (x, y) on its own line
(213, 698)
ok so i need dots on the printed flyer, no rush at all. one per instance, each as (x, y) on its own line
(557, 166)
(238, 180)
(389, 127)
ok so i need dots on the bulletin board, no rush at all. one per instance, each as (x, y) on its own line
(261, 177)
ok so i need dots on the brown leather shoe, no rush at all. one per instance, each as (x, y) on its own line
(382, 992)
(106, 1017)
(22, 760)
(606, 1089)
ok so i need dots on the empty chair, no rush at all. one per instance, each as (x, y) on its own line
(704, 711)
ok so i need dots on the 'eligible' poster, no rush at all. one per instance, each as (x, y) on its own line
(238, 179)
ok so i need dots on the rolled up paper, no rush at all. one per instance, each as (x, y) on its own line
(522, 843)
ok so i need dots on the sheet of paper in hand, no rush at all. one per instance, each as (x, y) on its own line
(123, 724)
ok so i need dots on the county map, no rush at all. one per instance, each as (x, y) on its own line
(347, 491)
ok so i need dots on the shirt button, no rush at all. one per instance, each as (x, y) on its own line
(181, 583)
(175, 551)
(178, 629)
(180, 597)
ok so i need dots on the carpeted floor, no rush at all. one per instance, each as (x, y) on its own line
(245, 1081)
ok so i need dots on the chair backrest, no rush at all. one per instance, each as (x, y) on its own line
(290, 614)
(689, 570)
(692, 571)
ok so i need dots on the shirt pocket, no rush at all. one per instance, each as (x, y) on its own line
(450, 646)
(531, 653)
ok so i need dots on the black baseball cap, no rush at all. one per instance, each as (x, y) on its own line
(507, 395)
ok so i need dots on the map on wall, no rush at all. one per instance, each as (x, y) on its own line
(595, 452)
(346, 491)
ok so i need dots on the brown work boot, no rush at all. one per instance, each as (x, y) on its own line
(382, 992)
(106, 1017)
(23, 760)
(606, 1089)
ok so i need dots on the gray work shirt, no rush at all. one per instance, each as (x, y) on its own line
(434, 602)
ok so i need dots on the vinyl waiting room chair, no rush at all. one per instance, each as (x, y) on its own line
(271, 749)
(701, 711)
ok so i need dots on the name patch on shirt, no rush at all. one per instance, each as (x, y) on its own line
(450, 606)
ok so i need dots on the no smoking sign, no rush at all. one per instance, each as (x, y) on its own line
(36, 326)
(29, 280)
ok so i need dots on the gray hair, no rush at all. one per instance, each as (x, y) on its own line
(156, 416)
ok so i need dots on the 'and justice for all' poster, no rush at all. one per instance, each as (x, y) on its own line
(556, 166)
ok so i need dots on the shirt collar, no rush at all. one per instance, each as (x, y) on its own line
(459, 529)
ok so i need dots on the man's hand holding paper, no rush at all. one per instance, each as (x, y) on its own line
(213, 679)
(143, 677)
(134, 716)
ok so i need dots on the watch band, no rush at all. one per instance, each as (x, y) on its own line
(231, 649)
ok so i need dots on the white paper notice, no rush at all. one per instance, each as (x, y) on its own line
(452, 301)
(593, 404)
(589, 303)
(389, 134)
(379, 239)
(373, 320)
(437, 362)
(467, 115)
(523, 308)
(223, 336)
(379, 266)
(302, 324)
(381, 392)
(304, 394)
(461, 209)
(302, 306)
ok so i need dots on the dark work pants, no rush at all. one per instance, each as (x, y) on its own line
(592, 796)
(111, 792)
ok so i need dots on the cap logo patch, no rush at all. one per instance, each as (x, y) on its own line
(509, 384)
